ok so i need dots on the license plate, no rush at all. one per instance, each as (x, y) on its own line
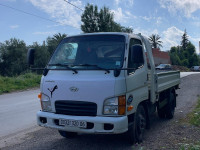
(73, 123)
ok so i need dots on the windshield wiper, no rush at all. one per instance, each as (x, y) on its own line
(63, 65)
(88, 65)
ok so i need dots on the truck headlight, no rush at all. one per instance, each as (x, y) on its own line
(45, 102)
(115, 106)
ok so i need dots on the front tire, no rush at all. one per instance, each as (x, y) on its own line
(136, 130)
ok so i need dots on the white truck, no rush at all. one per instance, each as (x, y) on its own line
(104, 83)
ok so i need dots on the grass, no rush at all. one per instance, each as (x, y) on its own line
(194, 119)
(190, 147)
(22, 82)
(195, 115)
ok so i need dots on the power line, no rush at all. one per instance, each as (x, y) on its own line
(73, 5)
(32, 14)
(28, 13)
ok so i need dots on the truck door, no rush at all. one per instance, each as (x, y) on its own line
(136, 79)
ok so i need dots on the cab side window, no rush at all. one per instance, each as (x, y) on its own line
(131, 63)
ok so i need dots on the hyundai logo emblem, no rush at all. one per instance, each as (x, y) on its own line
(73, 89)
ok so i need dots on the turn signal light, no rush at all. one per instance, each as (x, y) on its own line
(121, 110)
(122, 105)
(129, 108)
(40, 96)
(122, 100)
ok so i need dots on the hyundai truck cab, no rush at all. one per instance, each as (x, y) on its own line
(82, 93)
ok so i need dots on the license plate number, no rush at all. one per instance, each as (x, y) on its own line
(73, 123)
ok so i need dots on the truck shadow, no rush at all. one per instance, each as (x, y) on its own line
(50, 139)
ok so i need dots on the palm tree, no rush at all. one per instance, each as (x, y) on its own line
(155, 41)
(58, 37)
(52, 42)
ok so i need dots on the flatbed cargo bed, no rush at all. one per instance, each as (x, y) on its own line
(167, 79)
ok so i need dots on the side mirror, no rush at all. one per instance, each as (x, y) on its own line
(137, 54)
(30, 56)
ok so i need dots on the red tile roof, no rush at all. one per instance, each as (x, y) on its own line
(160, 54)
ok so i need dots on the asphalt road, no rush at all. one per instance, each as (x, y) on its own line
(184, 74)
(18, 111)
(19, 119)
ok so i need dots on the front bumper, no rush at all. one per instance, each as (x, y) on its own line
(95, 124)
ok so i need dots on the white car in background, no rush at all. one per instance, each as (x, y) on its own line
(195, 68)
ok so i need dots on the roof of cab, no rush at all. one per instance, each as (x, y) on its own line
(107, 33)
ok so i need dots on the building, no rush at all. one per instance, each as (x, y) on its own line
(160, 57)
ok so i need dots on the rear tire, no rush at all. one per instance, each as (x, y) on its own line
(161, 113)
(170, 108)
(67, 134)
(136, 130)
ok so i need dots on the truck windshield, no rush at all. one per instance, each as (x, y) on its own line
(90, 51)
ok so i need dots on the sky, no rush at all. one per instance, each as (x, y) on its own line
(167, 18)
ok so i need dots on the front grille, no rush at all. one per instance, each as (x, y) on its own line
(76, 108)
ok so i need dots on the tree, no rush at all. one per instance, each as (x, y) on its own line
(190, 48)
(185, 62)
(127, 29)
(174, 56)
(90, 19)
(185, 57)
(173, 49)
(155, 41)
(192, 56)
(100, 21)
(185, 41)
(106, 21)
(59, 37)
(52, 42)
(12, 57)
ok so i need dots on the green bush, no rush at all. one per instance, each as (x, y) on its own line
(24, 81)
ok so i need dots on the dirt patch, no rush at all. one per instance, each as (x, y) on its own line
(171, 135)
(180, 68)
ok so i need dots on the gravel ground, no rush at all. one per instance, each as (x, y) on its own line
(169, 134)
(164, 134)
